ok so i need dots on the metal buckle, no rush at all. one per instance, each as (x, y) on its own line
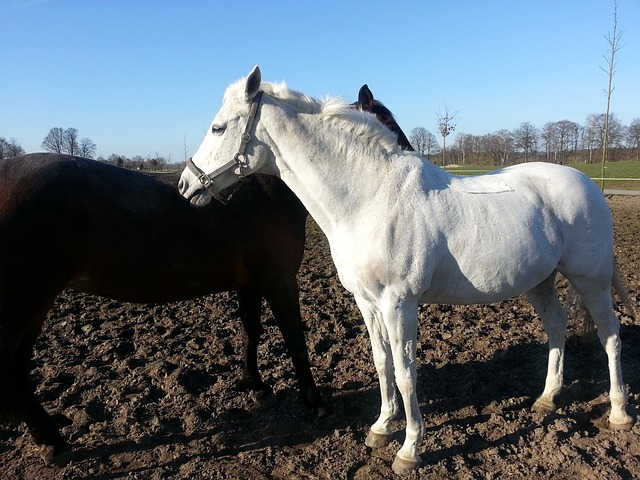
(205, 180)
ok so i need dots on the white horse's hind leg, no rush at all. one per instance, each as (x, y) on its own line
(380, 433)
(554, 318)
(600, 307)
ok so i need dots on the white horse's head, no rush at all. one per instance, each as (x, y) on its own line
(229, 151)
(242, 136)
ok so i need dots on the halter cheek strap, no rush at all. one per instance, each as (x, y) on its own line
(239, 159)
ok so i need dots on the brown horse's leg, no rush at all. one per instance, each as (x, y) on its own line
(282, 296)
(23, 403)
(249, 303)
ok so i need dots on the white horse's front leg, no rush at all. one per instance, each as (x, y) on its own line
(380, 433)
(401, 319)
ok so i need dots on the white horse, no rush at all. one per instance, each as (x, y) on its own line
(402, 231)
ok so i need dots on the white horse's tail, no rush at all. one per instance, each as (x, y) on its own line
(576, 309)
(620, 287)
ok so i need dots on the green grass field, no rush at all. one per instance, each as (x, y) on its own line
(617, 170)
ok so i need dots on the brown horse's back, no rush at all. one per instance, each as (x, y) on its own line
(72, 222)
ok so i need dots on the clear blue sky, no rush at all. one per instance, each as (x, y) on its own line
(138, 77)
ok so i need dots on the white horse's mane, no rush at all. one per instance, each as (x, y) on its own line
(334, 109)
(361, 124)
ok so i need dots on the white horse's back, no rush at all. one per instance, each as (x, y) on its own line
(507, 231)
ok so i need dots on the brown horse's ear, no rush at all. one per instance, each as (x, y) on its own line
(365, 97)
(253, 83)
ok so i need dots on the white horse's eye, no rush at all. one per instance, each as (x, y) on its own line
(218, 129)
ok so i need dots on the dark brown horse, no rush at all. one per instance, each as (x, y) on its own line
(68, 222)
(367, 103)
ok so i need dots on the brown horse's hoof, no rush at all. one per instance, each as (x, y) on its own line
(405, 467)
(51, 457)
(325, 416)
(377, 440)
(265, 399)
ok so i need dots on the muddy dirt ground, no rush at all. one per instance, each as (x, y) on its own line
(149, 391)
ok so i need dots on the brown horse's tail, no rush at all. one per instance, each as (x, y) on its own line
(576, 307)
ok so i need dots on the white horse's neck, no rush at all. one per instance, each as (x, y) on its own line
(335, 174)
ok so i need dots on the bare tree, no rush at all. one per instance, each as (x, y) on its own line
(10, 148)
(566, 133)
(54, 141)
(464, 144)
(14, 148)
(633, 136)
(477, 147)
(499, 146)
(616, 133)
(593, 133)
(87, 148)
(613, 39)
(71, 143)
(506, 146)
(66, 141)
(424, 141)
(549, 136)
(526, 138)
(446, 125)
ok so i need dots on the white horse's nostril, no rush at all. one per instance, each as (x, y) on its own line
(181, 186)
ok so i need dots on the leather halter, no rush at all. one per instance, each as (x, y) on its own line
(239, 159)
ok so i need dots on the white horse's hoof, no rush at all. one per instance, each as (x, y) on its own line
(619, 419)
(377, 440)
(404, 467)
(621, 426)
(543, 405)
(623, 422)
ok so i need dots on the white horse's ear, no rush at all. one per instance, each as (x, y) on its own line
(253, 83)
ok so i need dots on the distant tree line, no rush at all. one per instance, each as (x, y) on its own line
(67, 141)
(560, 142)
(155, 163)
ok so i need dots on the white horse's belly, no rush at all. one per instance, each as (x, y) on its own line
(470, 296)
(490, 281)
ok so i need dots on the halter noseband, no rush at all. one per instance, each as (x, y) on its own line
(238, 162)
